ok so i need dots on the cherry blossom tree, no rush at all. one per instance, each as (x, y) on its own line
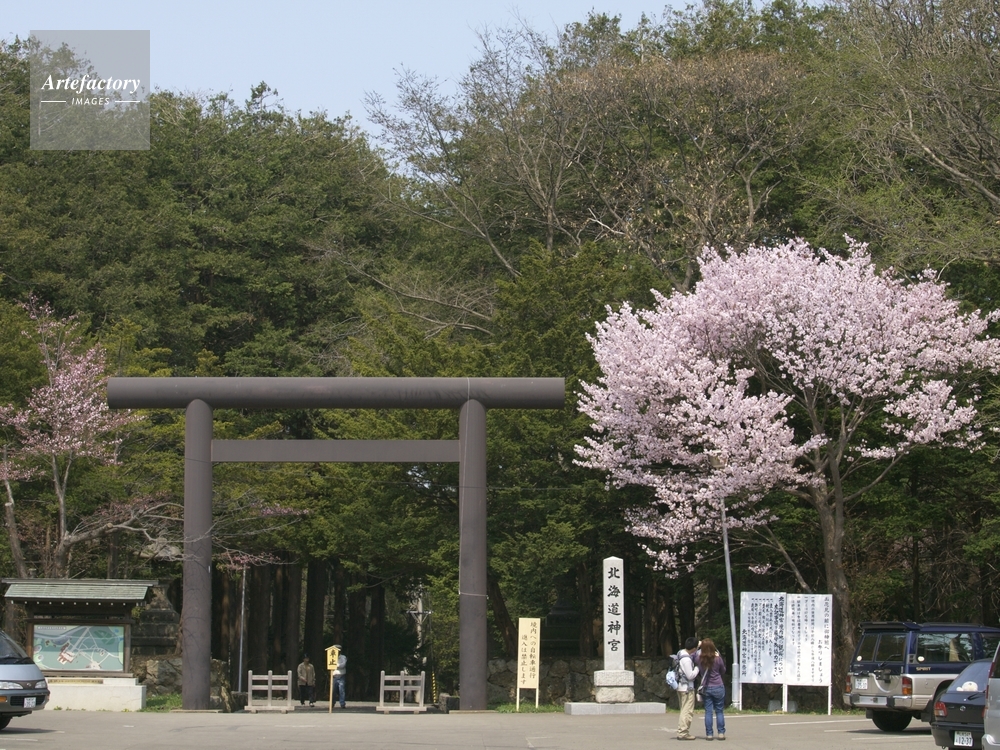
(64, 419)
(785, 368)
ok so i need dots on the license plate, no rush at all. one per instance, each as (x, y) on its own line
(29, 701)
(963, 739)
(860, 683)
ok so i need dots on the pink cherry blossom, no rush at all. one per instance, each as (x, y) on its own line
(762, 377)
(65, 419)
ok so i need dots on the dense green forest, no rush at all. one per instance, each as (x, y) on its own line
(483, 232)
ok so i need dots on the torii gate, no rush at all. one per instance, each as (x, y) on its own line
(198, 396)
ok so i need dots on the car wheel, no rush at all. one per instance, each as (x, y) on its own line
(891, 721)
(4, 721)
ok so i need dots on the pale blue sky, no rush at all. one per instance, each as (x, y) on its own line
(318, 55)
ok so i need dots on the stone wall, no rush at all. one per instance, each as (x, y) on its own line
(562, 680)
(162, 676)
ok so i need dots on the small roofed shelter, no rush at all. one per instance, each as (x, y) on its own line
(81, 626)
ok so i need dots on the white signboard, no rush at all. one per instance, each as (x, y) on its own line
(786, 639)
(614, 613)
(762, 639)
(528, 641)
(809, 639)
(528, 629)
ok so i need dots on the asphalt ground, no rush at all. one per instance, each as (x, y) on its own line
(362, 729)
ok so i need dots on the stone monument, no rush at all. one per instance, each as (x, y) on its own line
(614, 686)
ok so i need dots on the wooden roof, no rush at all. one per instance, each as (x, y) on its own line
(62, 591)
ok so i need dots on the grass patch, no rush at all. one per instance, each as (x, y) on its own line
(528, 708)
(163, 702)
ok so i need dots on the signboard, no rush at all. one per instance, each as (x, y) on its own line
(79, 647)
(614, 614)
(787, 639)
(809, 640)
(528, 641)
(762, 641)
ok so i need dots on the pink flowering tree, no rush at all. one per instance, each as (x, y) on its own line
(64, 420)
(785, 369)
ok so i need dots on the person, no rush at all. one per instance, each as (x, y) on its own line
(685, 688)
(339, 676)
(307, 682)
(712, 668)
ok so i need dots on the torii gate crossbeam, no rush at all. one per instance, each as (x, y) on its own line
(199, 396)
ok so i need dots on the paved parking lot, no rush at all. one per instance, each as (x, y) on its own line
(79, 730)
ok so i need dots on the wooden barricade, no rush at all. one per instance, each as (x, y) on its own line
(270, 683)
(402, 683)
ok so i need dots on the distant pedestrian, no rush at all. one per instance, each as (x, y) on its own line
(339, 677)
(685, 688)
(307, 682)
(712, 669)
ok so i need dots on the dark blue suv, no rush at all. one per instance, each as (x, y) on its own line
(900, 668)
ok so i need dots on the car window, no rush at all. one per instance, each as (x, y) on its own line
(972, 678)
(944, 647)
(866, 649)
(890, 647)
(10, 649)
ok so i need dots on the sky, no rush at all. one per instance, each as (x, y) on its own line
(319, 56)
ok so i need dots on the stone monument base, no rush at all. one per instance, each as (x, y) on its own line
(614, 686)
(604, 709)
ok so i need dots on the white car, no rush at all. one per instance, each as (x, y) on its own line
(22, 686)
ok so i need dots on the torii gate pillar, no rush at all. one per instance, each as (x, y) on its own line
(198, 396)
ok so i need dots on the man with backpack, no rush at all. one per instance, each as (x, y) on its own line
(686, 674)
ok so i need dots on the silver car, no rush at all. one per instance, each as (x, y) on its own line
(991, 716)
(22, 686)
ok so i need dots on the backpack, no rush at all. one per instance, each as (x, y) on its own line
(674, 675)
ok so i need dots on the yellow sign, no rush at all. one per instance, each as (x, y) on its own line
(332, 655)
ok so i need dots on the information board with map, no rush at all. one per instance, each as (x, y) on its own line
(79, 647)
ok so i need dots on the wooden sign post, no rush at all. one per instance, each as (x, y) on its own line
(332, 655)
(528, 642)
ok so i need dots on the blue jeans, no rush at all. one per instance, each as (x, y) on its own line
(339, 687)
(715, 700)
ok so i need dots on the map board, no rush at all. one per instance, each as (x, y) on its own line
(79, 647)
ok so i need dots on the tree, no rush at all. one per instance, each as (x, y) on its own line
(906, 92)
(65, 419)
(788, 369)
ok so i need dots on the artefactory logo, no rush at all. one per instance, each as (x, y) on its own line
(89, 90)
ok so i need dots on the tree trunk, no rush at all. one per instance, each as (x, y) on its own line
(339, 603)
(17, 555)
(508, 632)
(633, 611)
(357, 600)
(831, 521)
(279, 591)
(316, 585)
(376, 633)
(293, 615)
(585, 593)
(114, 539)
(652, 620)
(987, 589)
(259, 607)
(670, 642)
(685, 607)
